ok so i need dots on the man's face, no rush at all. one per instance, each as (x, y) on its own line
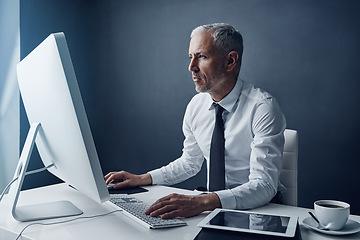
(206, 64)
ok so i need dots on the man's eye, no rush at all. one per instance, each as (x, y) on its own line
(197, 56)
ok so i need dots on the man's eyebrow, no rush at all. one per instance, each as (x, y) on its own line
(198, 53)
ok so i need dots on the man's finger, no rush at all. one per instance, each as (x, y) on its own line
(109, 179)
(162, 210)
(121, 185)
(157, 205)
(108, 175)
(172, 214)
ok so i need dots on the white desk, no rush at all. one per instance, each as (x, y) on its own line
(118, 224)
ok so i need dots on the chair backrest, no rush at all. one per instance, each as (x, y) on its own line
(289, 174)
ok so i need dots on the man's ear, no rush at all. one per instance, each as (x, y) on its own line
(231, 61)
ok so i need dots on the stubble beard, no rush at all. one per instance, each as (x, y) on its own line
(206, 86)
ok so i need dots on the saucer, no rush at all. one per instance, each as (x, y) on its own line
(350, 227)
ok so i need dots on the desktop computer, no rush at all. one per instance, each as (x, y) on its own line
(59, 127)
(61, 131)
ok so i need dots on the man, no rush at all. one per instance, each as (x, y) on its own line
(253, 127)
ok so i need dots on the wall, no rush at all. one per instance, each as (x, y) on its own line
(9, 93)
(131, 62)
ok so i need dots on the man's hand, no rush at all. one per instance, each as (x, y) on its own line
(177, 205)
(125, 179)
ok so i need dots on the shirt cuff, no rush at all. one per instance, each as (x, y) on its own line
(227, 199)
(157, 176)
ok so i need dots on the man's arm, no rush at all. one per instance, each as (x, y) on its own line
(265, 160)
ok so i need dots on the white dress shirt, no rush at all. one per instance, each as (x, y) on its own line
(254, 141)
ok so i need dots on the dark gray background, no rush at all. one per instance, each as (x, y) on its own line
(131, 61)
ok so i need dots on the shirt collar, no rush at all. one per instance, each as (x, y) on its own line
(231, 99)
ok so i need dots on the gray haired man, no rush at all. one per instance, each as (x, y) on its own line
(252, 130)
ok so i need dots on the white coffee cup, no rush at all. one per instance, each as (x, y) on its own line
(332, 214)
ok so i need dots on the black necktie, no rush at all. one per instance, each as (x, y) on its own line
(217, 153)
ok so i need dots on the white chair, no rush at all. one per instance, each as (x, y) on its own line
(289, 174)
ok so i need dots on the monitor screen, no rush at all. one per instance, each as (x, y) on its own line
(51, 97)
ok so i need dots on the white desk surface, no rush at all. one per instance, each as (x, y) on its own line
(118, 225)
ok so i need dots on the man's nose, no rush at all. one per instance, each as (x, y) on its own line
(193, 67)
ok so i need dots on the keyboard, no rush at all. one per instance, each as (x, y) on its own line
(135, 209)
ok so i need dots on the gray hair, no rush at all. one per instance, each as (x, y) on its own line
(226, 37)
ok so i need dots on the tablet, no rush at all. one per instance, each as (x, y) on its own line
(251, 222)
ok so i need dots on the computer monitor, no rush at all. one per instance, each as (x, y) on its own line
(60, 128)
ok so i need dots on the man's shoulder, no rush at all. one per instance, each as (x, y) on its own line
(260, 101)
(255, 93)
(200, 99)
(199, 103)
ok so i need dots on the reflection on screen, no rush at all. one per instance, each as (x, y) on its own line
(251, 221)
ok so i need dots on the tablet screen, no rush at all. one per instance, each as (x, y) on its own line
(251, 221)
(244, 221)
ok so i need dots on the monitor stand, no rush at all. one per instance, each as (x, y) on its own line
(36, 211)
